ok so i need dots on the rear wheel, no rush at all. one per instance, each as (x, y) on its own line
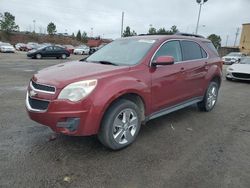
(64, 56)
(210, 98)
(38, 56)
(120, 125)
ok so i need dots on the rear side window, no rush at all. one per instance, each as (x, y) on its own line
(211, 47)
(192, 50)
(171, 48)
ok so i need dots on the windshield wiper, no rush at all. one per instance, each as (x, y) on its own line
(107, 63)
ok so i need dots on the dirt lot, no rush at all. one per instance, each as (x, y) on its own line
(199, 149)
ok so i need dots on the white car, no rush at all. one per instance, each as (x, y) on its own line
(6, 47)
(239, 71)
(81, 50)
(232, 58)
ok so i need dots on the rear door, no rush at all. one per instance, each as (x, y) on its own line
(195, 67)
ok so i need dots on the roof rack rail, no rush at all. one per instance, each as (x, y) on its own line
(189, 35)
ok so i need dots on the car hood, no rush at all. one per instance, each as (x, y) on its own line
(242, 68)
(66, 73)
(236, 57)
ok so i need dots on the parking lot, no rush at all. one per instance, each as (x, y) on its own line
(187, 148)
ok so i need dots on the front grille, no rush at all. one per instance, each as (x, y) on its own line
(241, 75)
(38, 104)
(43, 87)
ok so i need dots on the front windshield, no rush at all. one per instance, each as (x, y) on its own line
(234, 54)
(123, 51)
(245, 60)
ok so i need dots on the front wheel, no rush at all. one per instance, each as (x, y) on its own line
(210, 97)
(64, 56)
(120, 125)
(38, 56)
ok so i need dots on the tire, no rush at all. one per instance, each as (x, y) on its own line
(229, 79)
(64, 56)
(38, 56)
(210, 98)
(119, 135)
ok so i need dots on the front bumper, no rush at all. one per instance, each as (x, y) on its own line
(230, 75)
(62, 116)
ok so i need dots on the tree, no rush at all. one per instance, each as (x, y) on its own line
(216, 40)
(174, 29)
(127, 32)
(73, 35)
(79, 36)
(84, 37)
(152, 31)
(51, 28)
(162, 31)
(7, 22)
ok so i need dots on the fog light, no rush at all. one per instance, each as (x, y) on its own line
(71, 124)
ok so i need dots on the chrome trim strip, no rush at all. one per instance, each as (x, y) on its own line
(42, 91)
(30, 108)
(151, 60)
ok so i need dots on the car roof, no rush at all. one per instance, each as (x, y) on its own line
(166, 37)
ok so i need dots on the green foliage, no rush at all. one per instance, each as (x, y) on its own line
(163, 31)
(51, 28)
(7, 22)
(216, 40)
(79, 36)
(152, 31)
(84, 37)
(127, 32)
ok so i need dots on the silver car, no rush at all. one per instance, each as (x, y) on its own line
(232, 58)
(239, 71)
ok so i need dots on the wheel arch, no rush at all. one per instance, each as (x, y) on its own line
(131, 96)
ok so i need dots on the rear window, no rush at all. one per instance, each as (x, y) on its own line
(192, 51)
(211, 47)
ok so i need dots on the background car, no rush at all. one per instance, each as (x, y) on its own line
(19, 45)
(32, 46)
(232, 58)
(239, 71)
(6, 47)
(83, 49)
(69, 48)
(49, 51)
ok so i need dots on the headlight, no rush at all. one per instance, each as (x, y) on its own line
(78, 90)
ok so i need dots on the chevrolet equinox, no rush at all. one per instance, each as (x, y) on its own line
(125, 84)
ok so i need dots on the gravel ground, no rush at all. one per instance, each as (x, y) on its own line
(187, 148)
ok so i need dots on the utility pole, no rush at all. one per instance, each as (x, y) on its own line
(200, 2)
(122, 24)
(34, 22)
(227, 40)
(236, 35)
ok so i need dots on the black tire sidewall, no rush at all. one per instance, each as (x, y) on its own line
(106, 133)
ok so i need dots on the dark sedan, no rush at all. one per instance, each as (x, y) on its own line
(49, 51)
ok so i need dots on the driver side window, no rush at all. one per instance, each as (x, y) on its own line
(171, 48)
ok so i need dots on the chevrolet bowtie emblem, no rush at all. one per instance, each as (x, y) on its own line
(32, 93)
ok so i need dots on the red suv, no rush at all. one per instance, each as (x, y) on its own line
(125, 84)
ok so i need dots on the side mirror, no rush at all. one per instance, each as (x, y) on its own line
(163, 60)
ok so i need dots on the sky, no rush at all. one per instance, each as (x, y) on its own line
(221, 17)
